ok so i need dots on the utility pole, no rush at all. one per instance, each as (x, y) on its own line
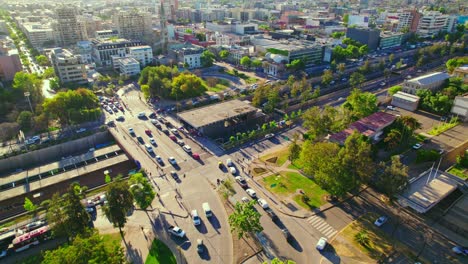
(27, 94)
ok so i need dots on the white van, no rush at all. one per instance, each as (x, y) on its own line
(207, 209)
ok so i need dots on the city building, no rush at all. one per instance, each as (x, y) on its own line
(431, 23)
(371, 126)
(133, 24)
(106, 34)
(168, 8)
(460, 107)
(10, 62)
(69, 30)
(366, 36)
(307, 51)
(85, 50)
(129, 67)
(68, 66)
(39, 35)
(461, 72)
(432, 81)
(223, 119)
(143, 54)
(405, 101)
(188, 55)
(408, 20)
(390, 39)
(104, 49)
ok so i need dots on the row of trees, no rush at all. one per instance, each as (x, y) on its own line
(441, 102)
(353, 50)
(68, 218)
(168, 82)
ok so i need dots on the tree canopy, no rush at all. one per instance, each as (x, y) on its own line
(207, 58)
(245, 219)
(187, 85)
(141, 190)
(356, 79)
(42, 60)
(224, 54)
(361, 104)
(90, 249)
(119, 202)
(29, 82)
(73, 106)
(393, 178)
(245, 61)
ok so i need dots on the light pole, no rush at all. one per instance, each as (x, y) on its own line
(27, 94)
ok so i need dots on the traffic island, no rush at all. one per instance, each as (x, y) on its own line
(159, 253)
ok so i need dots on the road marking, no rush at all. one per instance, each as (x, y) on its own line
(322, 226)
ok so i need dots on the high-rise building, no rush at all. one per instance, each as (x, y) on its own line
(10, 62)
(68, 66)
(69, 30)
(431, 23)
(408, 20)
(133, 24)
(170, 7)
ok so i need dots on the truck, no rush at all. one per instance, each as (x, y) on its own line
(176, 231)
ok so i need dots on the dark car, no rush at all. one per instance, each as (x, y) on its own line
(140, 139)
(152, 115)
(165, 131)
(286, 234)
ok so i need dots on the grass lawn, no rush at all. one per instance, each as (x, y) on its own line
(437, 130)
(217, 88)
(278, 158)
(296, 165)
(111, 239)
(459, 171)
(160, 254)
(379, 242)
(287, 183)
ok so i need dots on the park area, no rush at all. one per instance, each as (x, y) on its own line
(160, 254)
(287, 182)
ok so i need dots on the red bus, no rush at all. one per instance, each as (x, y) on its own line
(32, 238)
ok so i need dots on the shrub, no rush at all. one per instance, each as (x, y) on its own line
(424, 155)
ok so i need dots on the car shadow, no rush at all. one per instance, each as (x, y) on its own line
(202, 228)
(294, 243)
(205, 254)
(215, 223)
(330, 254)
(200, 161)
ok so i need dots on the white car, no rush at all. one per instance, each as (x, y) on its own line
(196, 219)
(187, 148)
(81, 130)
(245, 199)
(269, 135)
(321, 244)
(381, 220)
(131, 131)
(141, 115)
(382, 84)
(149, 148)
(417, 146)
(152, 141)
(159, 159)
(263, 203)
(233, 170)
(172, 161)
(174, 131)
(251, 193)
(154, 121)
(229, 163)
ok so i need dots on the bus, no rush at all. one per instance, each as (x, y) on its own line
(32, 238)
(6, 238)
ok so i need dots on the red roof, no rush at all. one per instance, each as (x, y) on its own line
(366, 126)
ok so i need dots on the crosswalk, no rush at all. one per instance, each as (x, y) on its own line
(322, 226)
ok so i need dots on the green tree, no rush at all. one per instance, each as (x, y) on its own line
(327, 77)
(66, 214)
(187, 85)
(145, 89)
(294, 149)
(393, 138)
(394, 89)
(273, 100)
(296, 65)
(207, 58)
(42, 60)
(25, 120)
(356, 160)
(365, 68)
(346, 18)
(337, 34)
(391, 57)
(29, 82)
(393, 178)
(49, 73)
(29, 206)
(357, 79)
(89, 249)
(245, 61)
(54, 83)
(119, 202)
(361, 104)
(245, 219)
(341, 68)
(381, 64)
(291, 80)
(224, 54)
(363, 50)
(362, 238)
(387, 73)
(200, 36)
(256, 63)
(141, 190)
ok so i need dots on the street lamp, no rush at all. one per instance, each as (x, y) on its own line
(27, 94)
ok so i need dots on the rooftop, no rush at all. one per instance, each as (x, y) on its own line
(128, 61)
(407, 96)
(207, 115)
(430, 78)
(428, 189)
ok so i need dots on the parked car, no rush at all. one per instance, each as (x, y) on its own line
(245, 199)
(391, 107)
(417, 146)
(321, 244)
(233, 170)
(159, 160)
(200, 246)
(120, 118)
(196, 156)
(251, 193)
(180, 142)
(195, 217)
(152, 141)
(229, 163)
(131, 131)
(460, 250)
(270, 135)
(173, 138)
(172, 161)
(263, 203)
(140, 139)
(241, 181)
(148, 132)
(187, 148)
(141, 115)
(381, 220)
(174, 175)
(149, 148)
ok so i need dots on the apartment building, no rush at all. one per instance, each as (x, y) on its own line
(408, 20)
(133, 24)
(68, 66)
(128, 66)
(432, 82)
(307, 51)
(10, 62)
(143, 54)
(188, 55)
(39, 35)
(69, 30)
(431, 23)
(390, 39)
(104, 49)
(105, 34)
(367, 36)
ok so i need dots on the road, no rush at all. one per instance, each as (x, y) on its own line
(180, 197)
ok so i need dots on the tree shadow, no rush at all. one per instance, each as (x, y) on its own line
(132, 253)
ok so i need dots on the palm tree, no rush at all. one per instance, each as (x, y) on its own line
(411, 122)
(341, 68)
(362, 238)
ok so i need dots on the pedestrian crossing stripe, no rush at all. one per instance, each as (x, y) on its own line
(322, 226)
